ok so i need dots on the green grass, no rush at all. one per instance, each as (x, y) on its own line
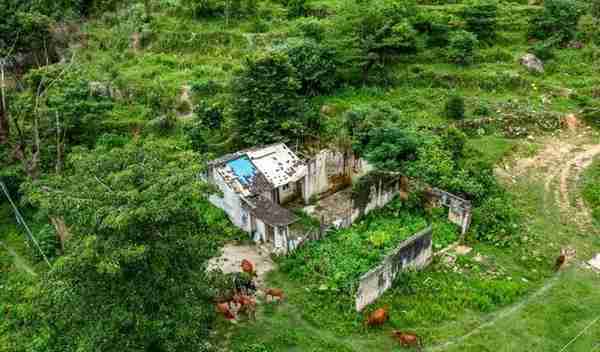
(591, 189)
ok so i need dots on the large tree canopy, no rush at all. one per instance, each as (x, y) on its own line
(133, 275)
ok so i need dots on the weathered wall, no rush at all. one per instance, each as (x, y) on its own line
(413, 253)
(230, 203)
(316, 181)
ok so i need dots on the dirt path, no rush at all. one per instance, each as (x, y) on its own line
(559, 165)
(231, 260)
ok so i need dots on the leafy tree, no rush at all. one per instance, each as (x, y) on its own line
(481, 18)
(437, 26)
(558, 19)
(296, 8)
(266, 105)
(454, 141)
(389, 148)
(455, 107)
(315, 65)
(462, 47)
(133, 274)
(370, 33)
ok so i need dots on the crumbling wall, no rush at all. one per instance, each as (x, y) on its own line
(316, 181)
(413, 253)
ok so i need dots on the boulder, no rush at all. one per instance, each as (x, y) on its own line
(571, 122)
(532, 63)
(328, 110)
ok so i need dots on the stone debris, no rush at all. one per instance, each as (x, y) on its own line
(595, 262)
(462, 250)
(532, 63)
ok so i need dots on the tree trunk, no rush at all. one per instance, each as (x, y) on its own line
(4, 124)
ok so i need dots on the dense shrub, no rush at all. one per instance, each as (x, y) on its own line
(544, 50)
(389, 149)
(437, 26)
(310, 28)
(481, 17)
(454, 141)
(588, 29)
(455, 107)
(558, 19)
(315, 65)
(209, 115)
(296, 8)
(496, 221)
(462, 47)
(595, 9)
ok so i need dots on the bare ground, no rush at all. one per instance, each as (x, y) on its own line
(233, 254)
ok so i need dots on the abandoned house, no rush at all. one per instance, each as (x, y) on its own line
(254, 184)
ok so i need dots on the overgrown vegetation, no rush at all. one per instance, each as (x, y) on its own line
(103, 102)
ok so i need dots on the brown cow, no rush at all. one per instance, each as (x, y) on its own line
(224, 309)
(378, 317)
(248, 267)
(274, 292)
(247, 306)
(560, 261)
(406, 339)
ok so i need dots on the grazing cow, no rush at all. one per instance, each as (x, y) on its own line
(560, 261)
(224, 309)
(247, 305)
(274, 292)
(248, 267)
(378, 317)
(406, 339)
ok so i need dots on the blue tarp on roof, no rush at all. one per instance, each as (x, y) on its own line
(243, 169)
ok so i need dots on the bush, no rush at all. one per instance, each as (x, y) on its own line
(48, 241)
(296, 8)
(557, 20)
(589, 29)
(543, 50)
(162, 124)
(209, 115)
(462, 47)
(496, 221)
(310, 28)
(595, 9)
(455, 107)
(481, 17)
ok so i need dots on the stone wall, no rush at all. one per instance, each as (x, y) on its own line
(413, 253)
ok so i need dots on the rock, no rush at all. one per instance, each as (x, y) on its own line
(571, 122)
(462, 250)
(328, 110)
(532, 63)
(135, 42)
(99, 89)
(595, 262)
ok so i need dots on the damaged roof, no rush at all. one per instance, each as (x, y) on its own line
(269, 212)
(254, 171)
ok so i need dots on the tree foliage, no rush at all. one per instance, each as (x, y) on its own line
(558, 20)
(133, 276)
(455, 107)
(370, 33)
(462, 45)
(266, 104)
(481, 18)
(315, 65)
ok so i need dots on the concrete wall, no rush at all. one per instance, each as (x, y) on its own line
(230, 202)
(413, 253)
(315, 181)
(288, 194)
